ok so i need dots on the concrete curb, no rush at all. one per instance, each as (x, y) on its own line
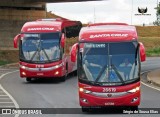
(153, 77)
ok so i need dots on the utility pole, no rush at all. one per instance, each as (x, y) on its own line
(131, 11)
(94, 15)
(157, 9)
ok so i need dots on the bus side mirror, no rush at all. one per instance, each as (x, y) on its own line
(16, 39)
(74, 52)
(142, 52)
(62, 40)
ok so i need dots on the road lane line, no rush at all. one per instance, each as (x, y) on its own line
(147, 84)
(4, 98)
(2, 95)
(5, 102)
(150, 86)
(13, 100)
(8, 107)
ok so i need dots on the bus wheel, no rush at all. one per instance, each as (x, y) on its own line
(85, 109)
(75, 73)
(28, 79)
(134, 108)
(63, 79)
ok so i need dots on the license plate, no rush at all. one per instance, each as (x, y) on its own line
(40, 74)
(109, 103)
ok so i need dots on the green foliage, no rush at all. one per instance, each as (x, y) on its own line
(3, 62)
(157, 22)
(153, 52)
(158, 10)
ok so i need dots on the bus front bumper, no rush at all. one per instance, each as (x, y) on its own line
(54, 71)
(130, 99)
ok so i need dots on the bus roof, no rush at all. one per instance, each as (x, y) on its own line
(108, 32)
(47, 25)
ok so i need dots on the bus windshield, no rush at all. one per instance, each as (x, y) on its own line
(109, 63)
(40, 48)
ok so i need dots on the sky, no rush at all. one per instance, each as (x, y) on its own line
(106, 11)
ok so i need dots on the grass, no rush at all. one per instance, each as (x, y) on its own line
(153, 52)
(148, 31)
(4, 63)
(8, 56)
(150, 42)
(152, 45)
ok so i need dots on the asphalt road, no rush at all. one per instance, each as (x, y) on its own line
(55, 94)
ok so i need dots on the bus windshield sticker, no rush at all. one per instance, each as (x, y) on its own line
(95, 45)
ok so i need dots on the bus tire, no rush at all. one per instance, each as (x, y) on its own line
(134, 108)
(63, 78)
(75, 73)
(85, 109)
(28, 79)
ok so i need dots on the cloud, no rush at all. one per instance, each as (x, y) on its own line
(105, 11)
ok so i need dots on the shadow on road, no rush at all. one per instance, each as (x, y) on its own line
(110, 110)
(56, 80)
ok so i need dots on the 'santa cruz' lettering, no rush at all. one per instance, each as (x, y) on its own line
(108, 35)
(33, 29)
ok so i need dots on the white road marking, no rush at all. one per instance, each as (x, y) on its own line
(8, 107)
(6, 102)
(13, 100)
(2, 95)
(150, 86)
(147, 84)
(150, 65)
(4, 98)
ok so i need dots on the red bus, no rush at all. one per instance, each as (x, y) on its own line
(44, 48)
(109, 65)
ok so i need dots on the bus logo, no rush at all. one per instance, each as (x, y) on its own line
(142, 10)
(109, 95)
(40, 69)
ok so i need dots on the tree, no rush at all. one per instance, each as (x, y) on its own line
(157, 22)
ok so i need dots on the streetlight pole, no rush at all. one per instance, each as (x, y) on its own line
(131, 10)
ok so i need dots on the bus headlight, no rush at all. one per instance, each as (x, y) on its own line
(23, 67)
(84, 91)
(23, 73)
(57, 72)
(57, 66)
(134, 90)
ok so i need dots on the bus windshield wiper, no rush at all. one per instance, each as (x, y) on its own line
(45, 54)
(118, 74)
(34, 54)
(100, 74)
